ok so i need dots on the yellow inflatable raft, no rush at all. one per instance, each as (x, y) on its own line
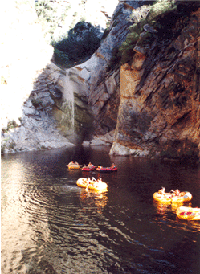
(92, 184)
(173, 197)
(188, 213)
(73, 165)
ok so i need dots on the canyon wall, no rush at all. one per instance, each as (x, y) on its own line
(160, 95)
(68, 106)
(147, 106)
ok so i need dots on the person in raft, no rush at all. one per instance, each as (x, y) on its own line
(113, 165)
(177, 192)
(73, 163)
(162, 190)
(90, 164)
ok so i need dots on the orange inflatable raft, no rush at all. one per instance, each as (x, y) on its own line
(73, 165)
(188, 213)
(92, 184)
(172, 197)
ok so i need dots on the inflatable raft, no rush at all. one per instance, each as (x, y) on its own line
(89, 167)
(73, 165)
(106, 169)
(188, 213)
(172, 197)
(92, 184)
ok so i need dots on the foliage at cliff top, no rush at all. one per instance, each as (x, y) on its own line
(80, 43)
(58, 17)
(161, 19)
(160, 7)
(60, 21)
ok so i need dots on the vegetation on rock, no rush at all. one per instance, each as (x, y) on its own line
(80, 43)
(160, 21)
(71, 29)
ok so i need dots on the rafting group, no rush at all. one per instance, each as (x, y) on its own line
(176, 196)
(90, 167)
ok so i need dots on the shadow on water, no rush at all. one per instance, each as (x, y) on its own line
(49, 225)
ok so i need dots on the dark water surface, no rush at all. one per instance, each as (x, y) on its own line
(49, 225)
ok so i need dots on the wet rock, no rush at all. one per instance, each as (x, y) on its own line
(106, 139)
(56, 93)
(122, 150)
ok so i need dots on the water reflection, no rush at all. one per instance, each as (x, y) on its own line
(162, 208)
(89, 199)
(49, 225)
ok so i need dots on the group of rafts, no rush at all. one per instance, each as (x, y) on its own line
(183, 212)
(91, 167)
(92, 184)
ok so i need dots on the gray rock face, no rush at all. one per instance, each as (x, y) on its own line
(38, 129)
(35, 133)
(150, 106)
(159, 94)
(73, 105)
(103, 87)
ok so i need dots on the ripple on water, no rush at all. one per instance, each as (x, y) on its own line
(49, 225)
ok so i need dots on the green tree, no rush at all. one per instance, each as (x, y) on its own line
(80, 43)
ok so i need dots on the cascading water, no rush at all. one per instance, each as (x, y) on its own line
(64, 111)
(72, 111)
(68, 96)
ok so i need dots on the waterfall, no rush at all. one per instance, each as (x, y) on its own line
(72, 111)
(68, 104)
(64, 111)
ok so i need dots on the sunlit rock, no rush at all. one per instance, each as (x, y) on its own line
(119, 149)
(159, 98)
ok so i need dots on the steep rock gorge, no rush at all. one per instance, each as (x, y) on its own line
(159, 91)
(68, 106)
(148, 105)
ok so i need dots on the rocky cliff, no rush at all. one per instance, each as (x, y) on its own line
(65, 105)
(139, 91)
(159, 89)
(24, 54)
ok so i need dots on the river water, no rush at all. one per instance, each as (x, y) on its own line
(50, 225)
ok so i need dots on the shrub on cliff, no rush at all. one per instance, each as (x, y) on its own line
(145, 15)
(80, 43)
(164, 21)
